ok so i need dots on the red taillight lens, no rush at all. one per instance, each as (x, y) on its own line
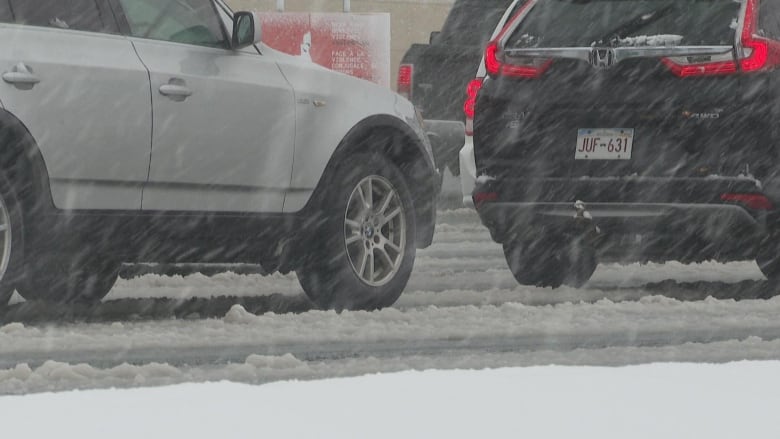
(708, 69)
(758, 57)
(469, 107)
(480, 198)
(495, 67)
(471, 96)
(492, 65)
(763, 54)
(751, 201)
(759, 49)
(405, 72)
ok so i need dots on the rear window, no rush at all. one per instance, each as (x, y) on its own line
(585, 23)
(471, 22)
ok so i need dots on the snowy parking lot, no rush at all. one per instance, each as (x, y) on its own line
(244, 136)
(462, 309)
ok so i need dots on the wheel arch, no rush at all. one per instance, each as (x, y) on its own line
(23, 163)
(396, 141)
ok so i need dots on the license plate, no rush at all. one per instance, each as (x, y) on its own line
(604, 144)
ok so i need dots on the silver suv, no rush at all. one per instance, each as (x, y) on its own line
(163, 131)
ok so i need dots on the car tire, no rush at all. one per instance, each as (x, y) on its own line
(549, 262)
(362, 251)
(11, 240)
(63, 279)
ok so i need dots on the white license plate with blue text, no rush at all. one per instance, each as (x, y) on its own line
(604, 144)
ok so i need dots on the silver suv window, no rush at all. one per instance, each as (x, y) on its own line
(84, 15)
(180, 21)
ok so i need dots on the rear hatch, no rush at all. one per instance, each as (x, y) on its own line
(443, 70)
(618, 88)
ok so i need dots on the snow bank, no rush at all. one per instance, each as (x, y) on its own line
(261, 369)
(649, 401)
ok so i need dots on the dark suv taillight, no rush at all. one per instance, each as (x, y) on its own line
(405, 74)
(530, 69)
(469, 107)
(751, 201)
(763, 54)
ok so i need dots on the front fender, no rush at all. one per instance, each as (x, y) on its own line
(402, 146)
(330, 108)
(23, 162)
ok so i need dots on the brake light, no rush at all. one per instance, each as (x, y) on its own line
(532, 69)
(751, 201)
(480, 198)
(708, 69)
(762, 54)
(405, 72)
(759, 47)
(758, 57)
(469, 107)
(492, 65)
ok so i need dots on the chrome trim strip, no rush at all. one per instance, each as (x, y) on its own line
(620, 53)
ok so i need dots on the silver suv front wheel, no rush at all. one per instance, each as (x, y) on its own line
(362, 252)
(375, 231)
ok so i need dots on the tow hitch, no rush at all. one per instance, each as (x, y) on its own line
(584, 228)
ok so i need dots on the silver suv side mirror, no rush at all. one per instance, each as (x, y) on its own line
(246, 30)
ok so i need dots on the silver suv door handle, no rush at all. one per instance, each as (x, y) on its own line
(176, 90)
(21, 75)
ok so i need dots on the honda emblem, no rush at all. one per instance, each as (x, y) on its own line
(602, 58)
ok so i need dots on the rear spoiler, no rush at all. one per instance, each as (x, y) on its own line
(608, 56)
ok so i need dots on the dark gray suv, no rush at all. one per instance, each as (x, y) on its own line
(631, 130)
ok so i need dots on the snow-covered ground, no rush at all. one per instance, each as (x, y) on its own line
(462, 310)
(649, 401)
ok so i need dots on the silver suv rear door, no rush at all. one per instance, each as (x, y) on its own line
(224, 120)
(84, 96)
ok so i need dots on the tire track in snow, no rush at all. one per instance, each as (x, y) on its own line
(321, 336)
(462, 274)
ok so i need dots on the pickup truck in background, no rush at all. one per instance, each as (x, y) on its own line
(434, 76)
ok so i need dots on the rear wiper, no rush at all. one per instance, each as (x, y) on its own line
(612, 37)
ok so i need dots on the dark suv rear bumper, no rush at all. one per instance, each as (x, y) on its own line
(657, 228)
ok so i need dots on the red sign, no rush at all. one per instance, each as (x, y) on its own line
(354, 44)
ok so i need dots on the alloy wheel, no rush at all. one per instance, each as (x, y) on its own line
(375, 231)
